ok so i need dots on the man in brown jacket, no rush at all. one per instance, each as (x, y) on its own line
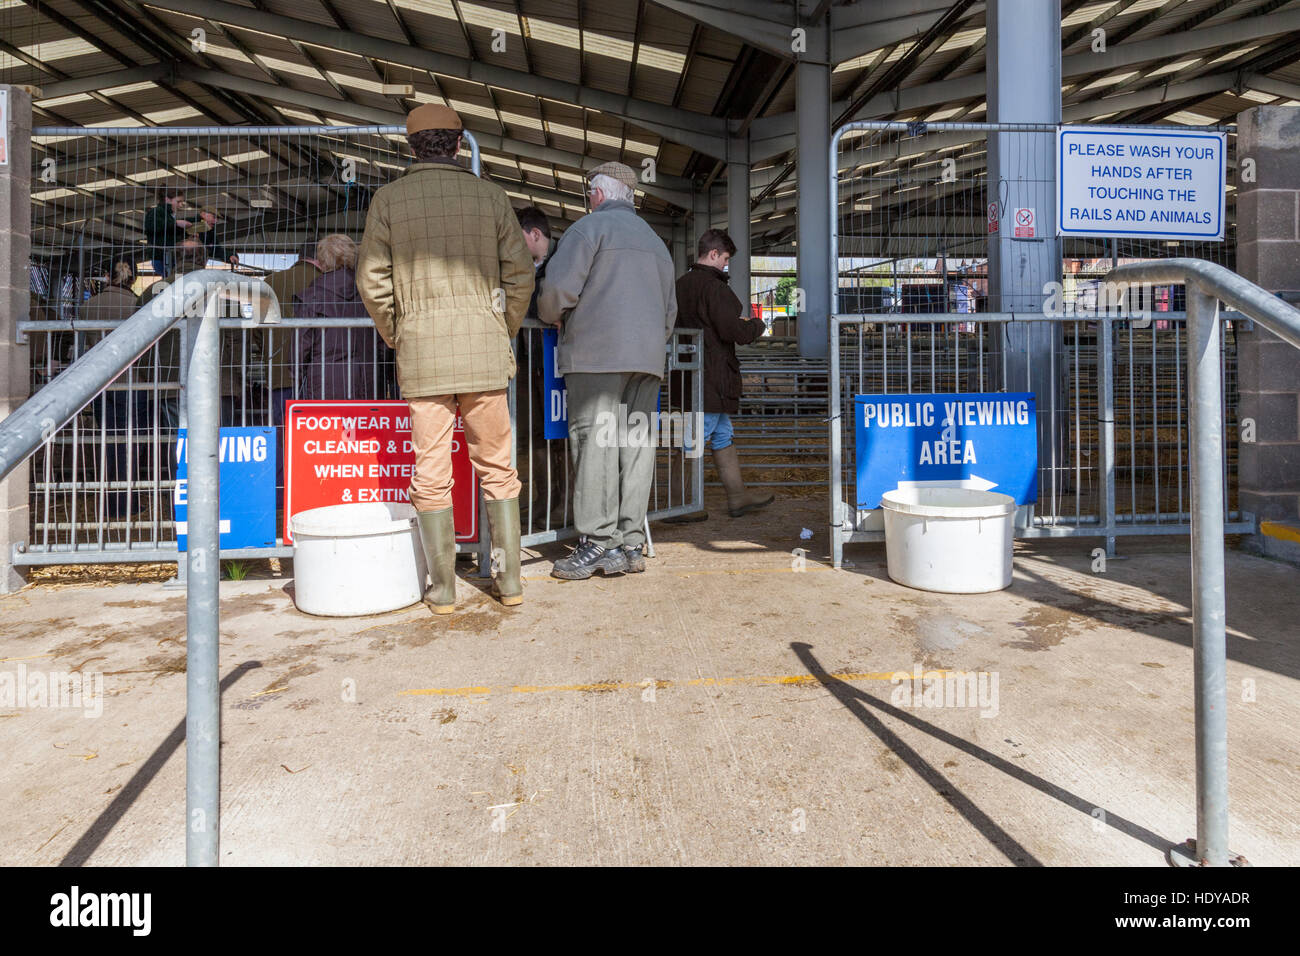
(446, 277)
(705, 301)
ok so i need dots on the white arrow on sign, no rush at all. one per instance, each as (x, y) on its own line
(183, 527)
(974, 481)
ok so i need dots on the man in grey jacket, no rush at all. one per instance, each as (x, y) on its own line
(610, 287)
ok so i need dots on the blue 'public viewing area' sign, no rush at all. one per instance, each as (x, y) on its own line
(247, 508)
(982, 440)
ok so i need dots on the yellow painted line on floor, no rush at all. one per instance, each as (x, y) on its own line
(1283, 532)
(789, 680)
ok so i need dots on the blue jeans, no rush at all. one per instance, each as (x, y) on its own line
(716, 432)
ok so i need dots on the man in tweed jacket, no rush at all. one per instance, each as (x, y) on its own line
(446, 277)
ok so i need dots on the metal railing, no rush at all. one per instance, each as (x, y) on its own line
(545, 465)
(101, 488)
(253, 191)
(1112, 453)
(1208, 284)
(198, 294)
(917, 215)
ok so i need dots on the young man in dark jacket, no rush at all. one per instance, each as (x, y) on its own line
(705, 301)
(163, 231)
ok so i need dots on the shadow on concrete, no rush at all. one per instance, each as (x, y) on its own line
(861, 705)
(1265, 653)
(95, 835)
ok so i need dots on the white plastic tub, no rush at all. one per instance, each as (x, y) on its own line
(350, 560)
(956, 540)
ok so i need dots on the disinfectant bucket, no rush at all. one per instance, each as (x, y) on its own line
(956, 540)
(356, 559)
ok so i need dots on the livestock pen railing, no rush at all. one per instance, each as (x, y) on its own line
(1112, 457)
(258, 199)
(935, 291)
(102, 485)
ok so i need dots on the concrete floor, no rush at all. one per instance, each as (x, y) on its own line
(688, 715)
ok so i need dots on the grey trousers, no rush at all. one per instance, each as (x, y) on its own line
(613, 474)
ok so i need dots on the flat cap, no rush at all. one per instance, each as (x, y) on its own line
(432, 116)
(624, 174)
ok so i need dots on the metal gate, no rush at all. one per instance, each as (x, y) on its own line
(913, 313)
(101, 487)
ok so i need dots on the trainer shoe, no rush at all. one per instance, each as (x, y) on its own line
(635, 559)
(587, 559)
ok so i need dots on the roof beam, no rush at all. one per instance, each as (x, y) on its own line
(853, 41)
(1164, 93)
(773, 135)
(671, 189)
(704, 133)
(1168, 47)
(940, 28)
(1266, 84)
(105, 81)
(761, 23)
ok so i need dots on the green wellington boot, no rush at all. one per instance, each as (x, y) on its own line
(739, 500)
(438, 536)
(503, 517)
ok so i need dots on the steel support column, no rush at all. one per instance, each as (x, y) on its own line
(1024, 86)
(677, 248)
(813, 136)
(701, 220)
(738, 215)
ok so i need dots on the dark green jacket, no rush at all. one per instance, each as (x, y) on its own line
(161, 231)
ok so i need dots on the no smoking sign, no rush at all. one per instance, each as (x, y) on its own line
(1024, 220)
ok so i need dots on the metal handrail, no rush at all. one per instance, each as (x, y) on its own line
(196, 294)
(1223, 284)
(1208, 284)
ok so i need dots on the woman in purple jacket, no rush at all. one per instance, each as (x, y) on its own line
(336, 363)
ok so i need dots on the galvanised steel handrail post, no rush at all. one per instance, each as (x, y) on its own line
(53, 406)
(1207, 284)
(1209, 600)
(37, 419)
(202, 596)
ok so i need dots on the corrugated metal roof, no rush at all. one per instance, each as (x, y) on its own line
(631, 48)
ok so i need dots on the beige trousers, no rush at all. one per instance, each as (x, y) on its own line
(487, 431)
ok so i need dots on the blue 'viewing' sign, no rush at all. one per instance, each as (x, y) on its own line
(247, 509)
(983, 440)
(556, 422)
